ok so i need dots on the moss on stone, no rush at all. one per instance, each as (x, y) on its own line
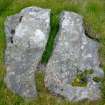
(81, 78)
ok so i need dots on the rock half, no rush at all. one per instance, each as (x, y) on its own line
(74, 53)
(26, 36)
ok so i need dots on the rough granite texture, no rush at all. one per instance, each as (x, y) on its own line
(26, 36)
(74, 53)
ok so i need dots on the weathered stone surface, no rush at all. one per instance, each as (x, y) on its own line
(26, 36)
(74, 53)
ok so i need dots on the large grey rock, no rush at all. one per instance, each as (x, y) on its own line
(26, 36)
(74, 53)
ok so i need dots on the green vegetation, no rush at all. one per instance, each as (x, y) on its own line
(49, 47)
(81, 78)
(93, 12)
(3, 5)
(96, 79)
(79, 82)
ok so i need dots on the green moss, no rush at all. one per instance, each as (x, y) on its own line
(88, 71)
(97, 79)
(81, 78)
(79, 82)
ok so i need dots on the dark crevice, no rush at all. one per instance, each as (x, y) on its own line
(12, 31)
(88, 35)
(11, 37)
(88, 32)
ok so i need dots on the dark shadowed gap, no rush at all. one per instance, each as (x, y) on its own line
(88, 31)
(54, 26)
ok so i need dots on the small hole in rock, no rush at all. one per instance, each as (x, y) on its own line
(12, 31)
(11, 39)
(61, 89)
(100, 65)
(20, 19)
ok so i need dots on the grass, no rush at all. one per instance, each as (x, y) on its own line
(54, 28)
(93, 12)
(3, 5)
